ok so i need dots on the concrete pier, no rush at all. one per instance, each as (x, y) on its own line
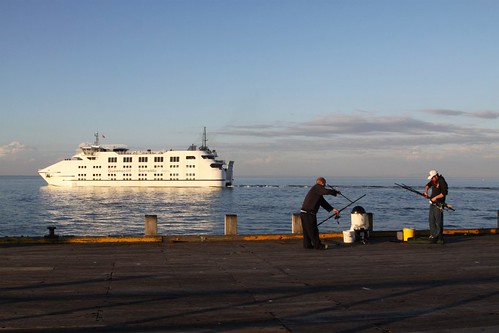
(251, 286)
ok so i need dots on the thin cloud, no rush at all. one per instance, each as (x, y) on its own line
(348, 124)
(335, 125)
(12, 148)
(485, 114)
(352, 134)
(477, 114)
(445, 112)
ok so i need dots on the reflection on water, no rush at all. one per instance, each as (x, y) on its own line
(121, 211)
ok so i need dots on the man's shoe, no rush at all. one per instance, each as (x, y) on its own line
(323, 247)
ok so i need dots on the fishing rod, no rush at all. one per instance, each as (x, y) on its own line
(337, 216)
(439, 205)
(331, 187)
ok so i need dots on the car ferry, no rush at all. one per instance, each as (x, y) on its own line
(115, 165)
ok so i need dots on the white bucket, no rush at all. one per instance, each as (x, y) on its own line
(358, 221)
(348, 236)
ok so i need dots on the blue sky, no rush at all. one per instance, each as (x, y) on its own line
(285, 88)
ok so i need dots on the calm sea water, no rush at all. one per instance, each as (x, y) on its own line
(263, 205)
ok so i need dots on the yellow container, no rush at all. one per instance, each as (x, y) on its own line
(408, 233)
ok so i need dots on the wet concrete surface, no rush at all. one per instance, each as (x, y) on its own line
(252, 286)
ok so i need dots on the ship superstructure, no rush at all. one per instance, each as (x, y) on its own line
(115, 165)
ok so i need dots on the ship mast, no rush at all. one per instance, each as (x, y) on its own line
(204, 145)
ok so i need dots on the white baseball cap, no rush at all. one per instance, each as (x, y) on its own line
(433, 173)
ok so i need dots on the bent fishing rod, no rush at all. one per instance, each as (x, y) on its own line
(439, 205)
(337, 216)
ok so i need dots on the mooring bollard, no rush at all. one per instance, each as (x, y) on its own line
(151, 222)
(230, 224)
(51, 232)
(296, 227)
(370, 221)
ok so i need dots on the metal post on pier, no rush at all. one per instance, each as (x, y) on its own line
(151, 225)
(370, 221)
(51, 232)
(230, 224)
(296, 227)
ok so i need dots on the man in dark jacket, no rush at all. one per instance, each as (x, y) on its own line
(439, 190)
(309, 209)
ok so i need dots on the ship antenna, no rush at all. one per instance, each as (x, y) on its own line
(96, 143)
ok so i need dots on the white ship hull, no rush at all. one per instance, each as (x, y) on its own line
(115, 166)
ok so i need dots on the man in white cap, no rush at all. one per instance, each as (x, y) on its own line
(439, 190)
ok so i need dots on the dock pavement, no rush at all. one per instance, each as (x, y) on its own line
(251, 286)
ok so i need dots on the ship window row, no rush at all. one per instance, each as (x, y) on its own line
(97, 167)
(144, 159)
(140, 166)
(158, 159)
(173, 166)
(82, 166)
(190, 166)
(142, 176)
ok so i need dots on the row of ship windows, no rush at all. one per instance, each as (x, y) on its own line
(128, 178)
(140, 166)
(83, 176)
(140, 178)
(144, 159)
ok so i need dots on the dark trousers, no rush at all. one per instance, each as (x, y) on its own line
(310, 231)
(436, 221)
